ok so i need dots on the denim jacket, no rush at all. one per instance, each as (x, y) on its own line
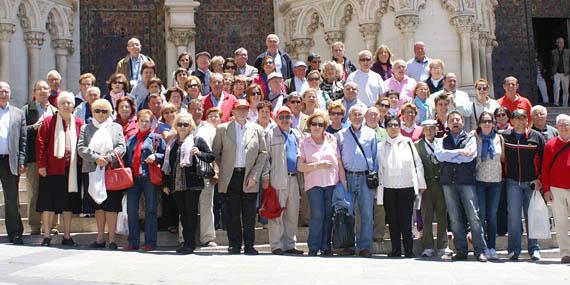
(150, 141)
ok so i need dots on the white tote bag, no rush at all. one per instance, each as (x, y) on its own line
(97, 188)
(538, 220)
(123, 219)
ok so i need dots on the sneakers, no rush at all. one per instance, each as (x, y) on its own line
(492, 254)
(210, 244)
(481, 257)
(428, 252)
(446, 252)
(535, 255)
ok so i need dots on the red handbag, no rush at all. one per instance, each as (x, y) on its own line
(270, 206)
(154, 171)
(119, 178)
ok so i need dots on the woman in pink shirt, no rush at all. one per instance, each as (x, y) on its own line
(320, 162)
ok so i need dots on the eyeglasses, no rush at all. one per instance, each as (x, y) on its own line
(118, 82)
(315, 124)
(284, 117)
(384, 106)
(180, 125)
(269, 62)
(313, 79)
(393, 125)
(230, 67)
(501, 115)
(168, 112)
(482, 88)
(365, 59)
(486, 122)
(100, 111)
(336, 114)
(294, 101)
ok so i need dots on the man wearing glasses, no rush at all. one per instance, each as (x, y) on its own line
(298, 119)
(370, 83)
(242, 67)
(281, 173)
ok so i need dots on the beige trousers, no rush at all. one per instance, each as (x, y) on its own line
(561, 211)
(282, 230)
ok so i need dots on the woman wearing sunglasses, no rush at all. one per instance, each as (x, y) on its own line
(183, 178)
(482, 103)
(98, 143)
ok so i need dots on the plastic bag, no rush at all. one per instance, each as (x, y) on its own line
(538, 219)
(343, 229)
(123, 219)
(97, 188)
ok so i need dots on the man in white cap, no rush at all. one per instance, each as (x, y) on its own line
(298, 82)
(275, 96)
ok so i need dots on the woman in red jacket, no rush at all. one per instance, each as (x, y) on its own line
(58, 165)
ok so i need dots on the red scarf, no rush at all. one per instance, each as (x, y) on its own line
(137, 154)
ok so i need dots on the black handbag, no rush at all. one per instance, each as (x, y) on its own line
(372, 180)
(204, 169)
(343, 229)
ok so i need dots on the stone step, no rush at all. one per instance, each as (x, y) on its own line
(555, 111)
(23, 210)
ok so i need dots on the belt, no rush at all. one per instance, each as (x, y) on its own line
(239, 169)
(292, 174)
(356, 172)
(4, 156)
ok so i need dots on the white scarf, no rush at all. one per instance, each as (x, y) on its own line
(59, 148)
(394, 155)
(185, 153)
(101, 141)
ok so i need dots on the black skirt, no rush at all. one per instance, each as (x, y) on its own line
(53, 195)
(112, 203)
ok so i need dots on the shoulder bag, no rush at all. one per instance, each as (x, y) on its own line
(119, 178)
(371, 175)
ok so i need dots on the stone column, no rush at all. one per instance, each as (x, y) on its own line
(181, 38)
(62, 47)
(301, 47)
(491, 43)
(6, 31)
(463, 24)
(408, 25)
(332, 37)
(483, 55)
(369, 32)
(34, 41)
(475, 53)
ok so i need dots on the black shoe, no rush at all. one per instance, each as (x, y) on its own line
(68, 242)
(95, 244)
(409, 255)
(459, 257)
(185, 250)
(294, 251)
(250, 251)
(347, 251)
(277, 251)
(395, 253)
(17, 241)
(233, 250)
(313, 253)
(326, 253)
(46, 242)
(113, 246)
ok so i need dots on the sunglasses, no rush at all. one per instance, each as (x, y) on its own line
(393, 125)
(192, 86)
(100, 111)
(365, 59)
(186, 125)
(336, 114)
(482, 88)
(384, 106)
(255, 93)
(230, 67)
(269, 62)
(501, 115)
(284, 117)
(486, 122)
(294, 101)
(320, 125)
(118, 82)
(313, 79)
(316, 61)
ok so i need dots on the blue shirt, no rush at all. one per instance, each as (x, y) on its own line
(352, 157)
(163, 127)
(291, 150)
(347, 105)
(135, 68)
(452, 155)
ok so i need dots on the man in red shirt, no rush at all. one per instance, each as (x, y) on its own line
(219, 98)
(556, 182)
(512, 100)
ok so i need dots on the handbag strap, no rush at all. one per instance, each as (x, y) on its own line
(565, 147)
(413, 158)
(119, 159)
(359, 146)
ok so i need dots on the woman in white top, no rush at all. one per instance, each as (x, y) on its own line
(401, 176)
(488, 176)
(482, 102)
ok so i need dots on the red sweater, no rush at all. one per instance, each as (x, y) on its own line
(227, 106)
(558, 175)
(520, 102)
(44, 146)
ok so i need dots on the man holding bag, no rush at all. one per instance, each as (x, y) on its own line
(556, 182)
(281, 172)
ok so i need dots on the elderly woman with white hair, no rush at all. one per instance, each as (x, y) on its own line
(332, 85)
(58, 162)
(102, 142)
(401, 82)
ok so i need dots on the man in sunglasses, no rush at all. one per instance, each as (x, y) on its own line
(294, 104)
(281, 173)
(370, 83)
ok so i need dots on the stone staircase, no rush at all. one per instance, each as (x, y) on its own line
(555, 111)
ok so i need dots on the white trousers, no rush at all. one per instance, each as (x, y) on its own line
(564, 79)
(561, 211)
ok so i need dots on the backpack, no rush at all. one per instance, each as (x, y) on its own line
(270, 206)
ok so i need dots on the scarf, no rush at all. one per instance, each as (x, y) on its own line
(423, 108)
(137, 152)
(487, 145)
(101, 142)
(116, 96)
(185, 153)
(394, 155)
(61, 136)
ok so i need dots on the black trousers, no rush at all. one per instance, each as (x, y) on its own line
(169, 211)
(14, 226)
(187, 203)
(87, 203)
(240, 207)
(399, 204)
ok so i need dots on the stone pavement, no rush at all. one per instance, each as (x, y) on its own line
(40, 265)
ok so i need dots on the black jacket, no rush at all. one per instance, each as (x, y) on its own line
(458, 173)
(193, 180)
(523, 157)
(432, 88)
(32, 115)
(286, 64)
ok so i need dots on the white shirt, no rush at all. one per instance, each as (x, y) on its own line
(4, 129)
(301, 85)
(207, 132)
(240, 145)
(370, 86)
(418, 70)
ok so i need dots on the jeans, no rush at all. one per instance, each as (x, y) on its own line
(150, 191)
(320, 222)
(364, 200)
(461, 200)
(502, 220)
(518, 199)
(488, 196)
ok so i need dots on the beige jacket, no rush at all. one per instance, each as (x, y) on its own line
(224, 148)
(124, 65)
(276, 166)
